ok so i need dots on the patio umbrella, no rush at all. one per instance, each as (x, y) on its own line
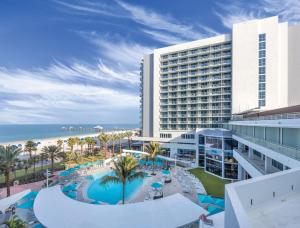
(26, 205)
(156, 185)
(31, 194)
(220, 202)
(205, 199)
(165, 172)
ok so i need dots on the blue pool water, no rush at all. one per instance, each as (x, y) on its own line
(111, 193)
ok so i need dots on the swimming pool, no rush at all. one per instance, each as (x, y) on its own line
(111, 193)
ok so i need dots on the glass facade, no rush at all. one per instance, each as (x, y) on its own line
(262, 70)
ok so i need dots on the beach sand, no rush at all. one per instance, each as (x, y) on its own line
(53, 140)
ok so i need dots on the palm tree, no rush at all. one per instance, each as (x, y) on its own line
(30, 146)
(77, 140)
(15, 222)
(129, 135)
(8, 158)
(120, 137)
(153, 150)
(43, 157)
(60, 143)
(113, 139)
(104, 139)
(53, 152)
(71, 143)
(125, 171)
(81, 143)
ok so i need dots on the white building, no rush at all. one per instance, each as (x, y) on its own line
(198, 85)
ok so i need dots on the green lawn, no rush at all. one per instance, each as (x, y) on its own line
(213, 185)
(21, 172)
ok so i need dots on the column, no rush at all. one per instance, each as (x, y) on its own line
(250, 153)
(268, 165)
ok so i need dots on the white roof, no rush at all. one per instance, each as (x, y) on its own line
(6, 202)
(54, 209)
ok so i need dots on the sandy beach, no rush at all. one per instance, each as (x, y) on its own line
(53, 141)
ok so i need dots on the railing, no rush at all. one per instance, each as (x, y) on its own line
(294, 115)
(258, 166)
(288, 151)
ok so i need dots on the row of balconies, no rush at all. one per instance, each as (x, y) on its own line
(196, 64)
(196, 70)
(194, 90)
(195, 52)
(166, 77)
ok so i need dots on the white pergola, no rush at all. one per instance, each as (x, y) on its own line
(54, 210)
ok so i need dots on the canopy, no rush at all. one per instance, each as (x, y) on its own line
(53, 209)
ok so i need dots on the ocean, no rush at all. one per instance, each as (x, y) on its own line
(20, 132)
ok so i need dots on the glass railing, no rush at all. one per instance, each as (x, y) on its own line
(258, 165)
(287, 151)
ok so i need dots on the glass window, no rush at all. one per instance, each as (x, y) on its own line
(262, 78)
(213, 142)
(272, 134)
(261, 103)
(262, 62)
(228, 144)
(262, 53)
(201, 139)
(262, 45)
(262, 37)
(259, 132)
(262, 86)
(290, 137)
(262, 94)
(262, 70)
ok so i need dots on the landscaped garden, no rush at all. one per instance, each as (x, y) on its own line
(213, 185)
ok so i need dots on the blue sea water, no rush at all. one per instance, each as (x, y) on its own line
(111, 193)
(18, 132)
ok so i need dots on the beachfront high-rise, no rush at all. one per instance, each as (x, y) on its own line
(200, 84)
(191, 89)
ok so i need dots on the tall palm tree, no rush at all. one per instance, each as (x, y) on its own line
(60, 143)
(53, 152)
(8, 158)
(71, 143)
(120, 137)
(125, 171)
(104, 139)
(113, 139)
(81, 143)
(30, 146)
(129, 135)
(43, 157)
(153, 150)
(77, 140)
(15, 222)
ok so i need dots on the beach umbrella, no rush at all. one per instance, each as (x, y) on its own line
(165, 172)
(206, 199)
(26, 205)
(156, 185)
(31, 194)
(220, 202)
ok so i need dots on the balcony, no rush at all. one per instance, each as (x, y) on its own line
(255, 161)
(287, 151)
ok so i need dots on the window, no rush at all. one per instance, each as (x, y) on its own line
(262, 54)
(213, 142)
(262, 37)
(187, 136)
(162, 135)
(262, 78)
(262, 86)
(201, 139)
(262, 62)
(262, 70)
(262, 45)
(277, 164)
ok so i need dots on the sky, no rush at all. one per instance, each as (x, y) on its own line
(78, 61)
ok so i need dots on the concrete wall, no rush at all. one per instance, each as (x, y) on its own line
(245, 64)
(147, 120)
(294, 65)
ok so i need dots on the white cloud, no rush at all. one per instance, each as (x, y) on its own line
(236, 11)
(166, 23)
(38, 98)
(164, 37)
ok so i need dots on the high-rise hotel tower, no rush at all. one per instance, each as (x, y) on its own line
(200, 84)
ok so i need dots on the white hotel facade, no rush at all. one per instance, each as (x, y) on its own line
(190, 91)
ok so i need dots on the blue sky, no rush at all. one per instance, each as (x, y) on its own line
(78, 61)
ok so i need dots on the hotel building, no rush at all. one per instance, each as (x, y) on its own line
(190, 91)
